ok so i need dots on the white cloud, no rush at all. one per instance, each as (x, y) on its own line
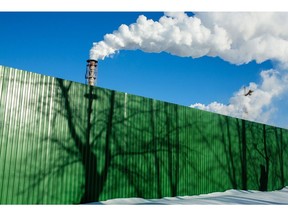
(259, 105)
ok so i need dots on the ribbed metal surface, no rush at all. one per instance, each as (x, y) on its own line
(64, 142)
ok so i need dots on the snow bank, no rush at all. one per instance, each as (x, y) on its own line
(229, 197)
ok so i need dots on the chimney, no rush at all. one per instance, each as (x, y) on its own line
(91, 72)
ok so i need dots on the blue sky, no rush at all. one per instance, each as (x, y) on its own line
(58, 43)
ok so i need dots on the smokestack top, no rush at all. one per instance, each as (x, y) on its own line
(91, 60)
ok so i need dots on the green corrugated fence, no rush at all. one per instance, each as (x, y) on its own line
(63, 142)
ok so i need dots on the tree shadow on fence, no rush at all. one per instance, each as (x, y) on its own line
(118, 145)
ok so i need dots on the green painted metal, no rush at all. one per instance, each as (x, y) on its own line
(63, 142)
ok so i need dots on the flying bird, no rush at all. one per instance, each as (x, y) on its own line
(249, 93)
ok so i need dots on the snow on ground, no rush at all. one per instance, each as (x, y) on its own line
(229, 197)
(230, 202)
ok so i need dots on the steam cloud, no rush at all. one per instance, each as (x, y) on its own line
(238, 38)
(235, 37)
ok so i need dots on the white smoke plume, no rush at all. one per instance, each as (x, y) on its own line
(235, 37)
(259, 105)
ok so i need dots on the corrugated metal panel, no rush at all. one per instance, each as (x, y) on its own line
(63, 142)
